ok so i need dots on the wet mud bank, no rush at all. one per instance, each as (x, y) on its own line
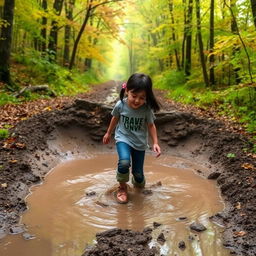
(33, 150)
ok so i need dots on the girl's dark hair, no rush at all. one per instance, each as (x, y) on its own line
(141, 82)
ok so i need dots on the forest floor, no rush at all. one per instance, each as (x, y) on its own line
(25, 158)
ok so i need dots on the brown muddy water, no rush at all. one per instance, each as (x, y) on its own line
(77, 200)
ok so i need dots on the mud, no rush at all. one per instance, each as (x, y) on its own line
(27, 156)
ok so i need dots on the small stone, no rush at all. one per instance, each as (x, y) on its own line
(156, 224)
(191, 238)
(213, 176)
(17, 229)
(28, 236)
(161, 239)
(197, 227)
(182, 218)
(182, 245)
(91, 193)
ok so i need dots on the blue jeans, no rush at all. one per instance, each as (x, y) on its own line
(127, 154)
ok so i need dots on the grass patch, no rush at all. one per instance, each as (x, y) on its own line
(32, 69)
(4, 133)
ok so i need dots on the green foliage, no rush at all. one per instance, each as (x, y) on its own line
(6, 97)
(61, 81)
(169, 79)
(237, 102)
(4, 134)
(231, 155)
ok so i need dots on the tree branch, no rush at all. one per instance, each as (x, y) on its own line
(103, 3)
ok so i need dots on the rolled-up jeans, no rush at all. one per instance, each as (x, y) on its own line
(129, 156)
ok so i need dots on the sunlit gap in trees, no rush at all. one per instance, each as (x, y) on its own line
(119, 55)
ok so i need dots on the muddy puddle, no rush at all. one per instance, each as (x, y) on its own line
(77, 200)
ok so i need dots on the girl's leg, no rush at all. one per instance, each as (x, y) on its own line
(122, 176)
(138, 157)
(124, 152)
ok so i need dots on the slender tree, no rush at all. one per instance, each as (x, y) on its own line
(236, 48)
(200, 43)
(174, 36)
(5, 42)
(184, 34)
(253, 6)
(91, 7)
(188, 39)
(43, 29)
(69, 7)
(53, 37)
(242, 42)
(211, 44)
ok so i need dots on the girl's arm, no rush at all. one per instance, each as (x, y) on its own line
(153, 134)
(112, 125)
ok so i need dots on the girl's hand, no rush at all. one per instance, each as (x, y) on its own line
(157, 150)
(106, 138)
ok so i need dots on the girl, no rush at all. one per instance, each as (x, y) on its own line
(133, 118)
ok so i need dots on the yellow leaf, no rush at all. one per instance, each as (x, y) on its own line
(247, 166)
(47, 108)
(13, 161)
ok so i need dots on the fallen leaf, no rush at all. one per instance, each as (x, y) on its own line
(247, 166)
(9, 142)
(20, 145)
(13, 161)
(240, 233)
(47, 109)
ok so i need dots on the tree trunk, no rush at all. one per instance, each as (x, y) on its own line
(242, 42)
(211, 44)
(86, 18)
(6, 41)
(69, 7)
(236, 48)
(89, 11)
(53, 37)
(200, 43)
(188, 39)
(174, 36)
(184, 35)
(43, 30)
(253, 6)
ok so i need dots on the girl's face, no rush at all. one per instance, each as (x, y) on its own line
(136, 99)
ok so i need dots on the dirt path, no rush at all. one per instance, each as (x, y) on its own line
(26, 156)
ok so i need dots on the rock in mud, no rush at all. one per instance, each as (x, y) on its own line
(161, 238)
(91, 193)
(182, 245)
(28, 236)
(197, 227)
(156, 224)
(182, 218)
(118, 242)
(213, 176)
(17, 230)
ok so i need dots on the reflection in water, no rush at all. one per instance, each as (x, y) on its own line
(77, 200)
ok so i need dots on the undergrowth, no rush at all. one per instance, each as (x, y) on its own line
(236, 101)
(32, 69)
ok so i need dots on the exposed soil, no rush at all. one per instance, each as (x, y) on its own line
(26, 157)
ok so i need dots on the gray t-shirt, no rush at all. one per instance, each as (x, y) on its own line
(132, 127)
